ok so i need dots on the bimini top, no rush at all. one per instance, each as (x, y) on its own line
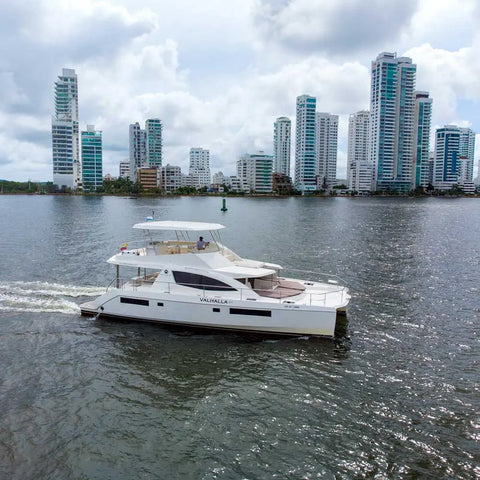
(179, 226)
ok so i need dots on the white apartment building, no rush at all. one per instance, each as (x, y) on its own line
(359, 170)
(421, 140)
(65, 132)
(326, 143)
(282, 134)
(124, 169)
(170, 178)
(255, 172)
(392, 118)
(199, 170)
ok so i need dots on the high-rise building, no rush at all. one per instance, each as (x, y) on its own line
(200, 167)
(92, 170)
(392, 110)
(255, 172)
(65, 141)
(153, 139)
(421, 141)
(137, 149)
(467, 154)
(326, 141)
(305, 158)
(282, 133)
(359, 169)
(447, 157)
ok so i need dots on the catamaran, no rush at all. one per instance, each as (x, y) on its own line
(189, 283)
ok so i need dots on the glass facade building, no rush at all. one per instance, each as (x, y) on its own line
(92, 169)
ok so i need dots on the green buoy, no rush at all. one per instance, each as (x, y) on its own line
(224, 205)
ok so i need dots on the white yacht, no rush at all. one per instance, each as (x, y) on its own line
(206, 285)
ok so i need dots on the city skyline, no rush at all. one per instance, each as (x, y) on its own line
(224, 95)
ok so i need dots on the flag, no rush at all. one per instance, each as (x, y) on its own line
(123, 247)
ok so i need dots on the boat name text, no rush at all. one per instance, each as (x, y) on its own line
(214, 300)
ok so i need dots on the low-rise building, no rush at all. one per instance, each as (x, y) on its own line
(147, 177)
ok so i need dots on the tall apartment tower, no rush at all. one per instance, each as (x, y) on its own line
(467, 153)
(305, 157)
(65, 141)
(359, 169)
(326, 141)
(137, 149)
(92, 169)
(421, 141)
(282, 134)
(200, 167)
(392, 109)
(153, 142)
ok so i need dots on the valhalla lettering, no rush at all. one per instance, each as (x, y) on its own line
(213, 300)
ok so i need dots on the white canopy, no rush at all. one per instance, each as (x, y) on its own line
(179, 226)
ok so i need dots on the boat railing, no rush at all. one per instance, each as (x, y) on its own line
(322, 276)
(244, 294)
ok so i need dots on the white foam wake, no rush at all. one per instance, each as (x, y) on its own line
(43, 296)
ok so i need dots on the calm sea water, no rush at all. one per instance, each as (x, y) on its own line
(395, 396)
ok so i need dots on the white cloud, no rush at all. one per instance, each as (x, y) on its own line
(218, 75)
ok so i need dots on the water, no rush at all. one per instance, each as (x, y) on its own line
(395, 396)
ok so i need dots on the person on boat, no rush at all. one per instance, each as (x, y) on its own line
(201, 244)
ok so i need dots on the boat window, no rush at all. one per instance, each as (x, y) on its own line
(134, 301)
(249, 311)
(201, 282)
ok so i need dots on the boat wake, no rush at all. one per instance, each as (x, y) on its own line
(43, 297)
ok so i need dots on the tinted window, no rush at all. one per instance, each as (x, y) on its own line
(134, 301)
(200, 281)
(248, 311)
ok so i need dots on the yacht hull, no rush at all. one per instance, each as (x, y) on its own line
(215, 313)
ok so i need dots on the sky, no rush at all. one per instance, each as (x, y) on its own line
(219, 72)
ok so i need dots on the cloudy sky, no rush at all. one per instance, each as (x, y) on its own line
(218, 72)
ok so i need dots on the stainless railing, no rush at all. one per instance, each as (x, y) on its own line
(242, 293)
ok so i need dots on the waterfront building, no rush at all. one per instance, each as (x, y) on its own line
(219, 179)
(454, 157)
(421, 141)
(65, 141)
(234, 183)
(137, 149)
(326, 141)
(431, 167)
(170, 178)
(147, 177)
(392, 112)
(124, 169)
(447, 157)
(282, 184)
(92, 169)
(153, 142)
(282, 133)
(199, 170)
(467, 154)
(255, 172)
(305, 158)
(359, 169)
